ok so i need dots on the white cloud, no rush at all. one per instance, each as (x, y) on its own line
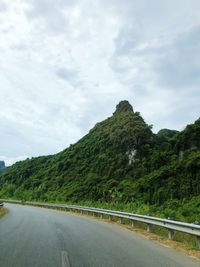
(65, 65)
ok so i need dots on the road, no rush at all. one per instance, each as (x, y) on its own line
(37, 237)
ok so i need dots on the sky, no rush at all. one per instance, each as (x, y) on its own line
(65, 65)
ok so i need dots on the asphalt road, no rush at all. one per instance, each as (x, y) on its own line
(36, 237)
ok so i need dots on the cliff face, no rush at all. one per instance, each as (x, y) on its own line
(2, 165)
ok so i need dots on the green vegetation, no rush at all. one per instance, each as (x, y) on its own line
(119, 164)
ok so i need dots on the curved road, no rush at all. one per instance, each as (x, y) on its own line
(36, 237)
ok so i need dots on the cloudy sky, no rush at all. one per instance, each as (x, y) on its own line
(65, 64)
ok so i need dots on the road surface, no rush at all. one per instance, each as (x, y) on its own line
(37, 237)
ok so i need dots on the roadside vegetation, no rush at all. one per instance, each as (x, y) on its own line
(3, 211)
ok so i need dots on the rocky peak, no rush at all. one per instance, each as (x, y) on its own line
(2, 165)
(123, 106)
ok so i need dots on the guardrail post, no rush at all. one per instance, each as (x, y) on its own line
(110, 218)
(149, 227)
(171, 233)
(120, 220)
(198, 241)
(101, 216)
(132, 223)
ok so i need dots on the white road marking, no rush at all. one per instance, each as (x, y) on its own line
(65, 259)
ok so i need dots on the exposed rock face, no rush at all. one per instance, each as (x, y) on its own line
(123, 106)
(2, 165)
(131, 154)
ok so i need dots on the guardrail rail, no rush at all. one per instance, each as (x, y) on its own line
(171, 225)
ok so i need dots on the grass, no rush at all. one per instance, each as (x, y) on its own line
(3, 211)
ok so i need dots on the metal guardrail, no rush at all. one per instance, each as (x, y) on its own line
(171, 225)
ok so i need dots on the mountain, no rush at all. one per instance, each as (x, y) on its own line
(166, 133)
(120, 160)
(2, 165)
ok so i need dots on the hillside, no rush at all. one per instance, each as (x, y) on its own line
(119, 161)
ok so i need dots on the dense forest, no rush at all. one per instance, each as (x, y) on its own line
(120, 161)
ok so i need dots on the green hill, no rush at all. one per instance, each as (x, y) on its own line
(119, 161)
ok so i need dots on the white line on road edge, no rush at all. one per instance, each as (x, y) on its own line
(65, 259)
